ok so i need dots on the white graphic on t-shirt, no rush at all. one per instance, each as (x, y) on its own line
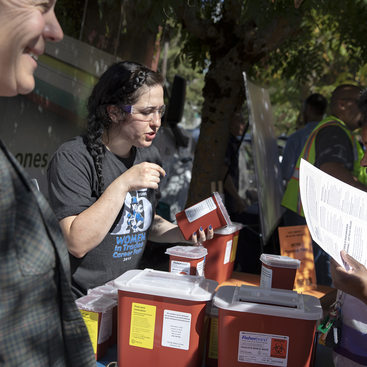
(136, 216)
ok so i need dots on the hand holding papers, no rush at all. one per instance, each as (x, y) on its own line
(336, 213)
(353, 281)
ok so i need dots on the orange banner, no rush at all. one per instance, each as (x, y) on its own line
(296, 242)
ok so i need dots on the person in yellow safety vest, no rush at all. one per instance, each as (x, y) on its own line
(308, 153)
(333, 148)
(313, 111)
(352, 339)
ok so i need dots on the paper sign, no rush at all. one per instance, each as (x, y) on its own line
(295, 242)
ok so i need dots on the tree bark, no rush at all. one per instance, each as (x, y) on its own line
(233, 49)
(223, 94)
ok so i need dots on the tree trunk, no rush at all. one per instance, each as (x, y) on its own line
(233, 50)
(223, 94)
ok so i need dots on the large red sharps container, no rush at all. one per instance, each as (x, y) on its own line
(259, 326)
(161, 318)
(188, 260)
(278, 271)
(222, 250)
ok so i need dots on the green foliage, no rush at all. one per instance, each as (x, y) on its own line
(179, 65)
(327, 48)
(195, 52)
(70, 15)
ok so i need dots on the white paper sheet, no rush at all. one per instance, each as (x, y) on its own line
(335, 212)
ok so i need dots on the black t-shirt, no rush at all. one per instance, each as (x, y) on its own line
(72, 189)
(333, 145)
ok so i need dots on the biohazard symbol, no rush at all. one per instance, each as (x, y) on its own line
(279, 348)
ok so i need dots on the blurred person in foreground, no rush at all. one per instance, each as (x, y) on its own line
(40, 325)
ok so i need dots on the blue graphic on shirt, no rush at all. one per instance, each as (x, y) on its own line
(131, 229)
(135, 219)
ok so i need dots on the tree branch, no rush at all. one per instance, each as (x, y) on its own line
(188, 15)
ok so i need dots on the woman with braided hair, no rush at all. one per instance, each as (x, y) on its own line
(103, 185)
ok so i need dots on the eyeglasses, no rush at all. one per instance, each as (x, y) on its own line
(145, 113)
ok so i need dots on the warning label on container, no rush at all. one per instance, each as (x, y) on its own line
(142, 325)
(200, 268)
(176, 329)
(91, 321)
(199, 210)
(213, 338)
(270, 350)
(234, 248)
(266, 277)
(227, 255)
(180, 267)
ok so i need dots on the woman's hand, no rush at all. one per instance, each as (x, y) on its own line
(164, 231)
(144, 175)
(200, 236)
(352, 281)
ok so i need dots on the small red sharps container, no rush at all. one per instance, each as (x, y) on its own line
(161, 318)
(271, 327)
(189, 260)
(210, 211)
(97, 312)
(108, 291)
(278, 271)
(222, 250)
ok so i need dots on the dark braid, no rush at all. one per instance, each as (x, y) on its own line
(120, 85)
(136, 81)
